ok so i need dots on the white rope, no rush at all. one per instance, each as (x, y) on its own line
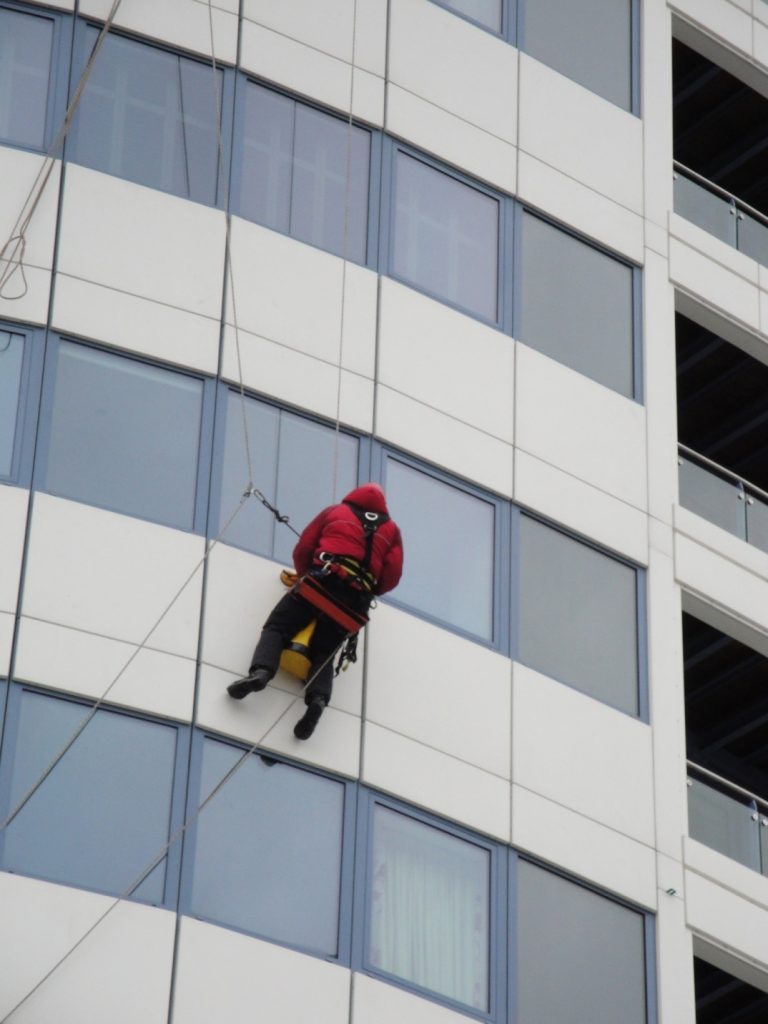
(12, 253)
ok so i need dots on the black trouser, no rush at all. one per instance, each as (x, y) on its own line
(290, 615)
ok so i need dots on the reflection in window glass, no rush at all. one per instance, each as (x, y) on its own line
(293, 463)
(446, 237)
(102, 816)
(576, 305)
(11, 357)
(124, 435)
(150, 116)
(429, 908)
(268, 850)
(449, 572)
(577, 618)
(581, 956)
(485, 12)
(294, 173)
(589, 42)
(26, 45)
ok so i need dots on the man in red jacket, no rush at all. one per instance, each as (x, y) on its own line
(335, 547)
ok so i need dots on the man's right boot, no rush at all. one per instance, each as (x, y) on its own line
(256, 680)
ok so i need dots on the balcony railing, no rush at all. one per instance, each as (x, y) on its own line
(723, 498)
(720, 213)
(728, 818)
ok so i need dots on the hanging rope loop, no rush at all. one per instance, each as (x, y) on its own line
(252, 491)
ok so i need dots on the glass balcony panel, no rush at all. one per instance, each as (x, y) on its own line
(711, 212)
(712, 497)
(753, 238)
(725, 824)
(764, 843)
(757, 523)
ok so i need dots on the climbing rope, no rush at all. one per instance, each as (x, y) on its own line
(12, 253)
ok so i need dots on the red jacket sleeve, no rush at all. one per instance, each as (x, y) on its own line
(307, 543)
(392, 569)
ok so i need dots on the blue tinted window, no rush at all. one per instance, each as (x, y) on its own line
(268, 850)
(124, 435)
(150, 116)
(445, 237)
(450, 537)
(487, 13)
(293, 465)
(104, 812)
(26, 47)
(11, 359)
(305, 173)
(429, 907)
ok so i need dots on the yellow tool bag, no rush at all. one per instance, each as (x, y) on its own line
(295, 658)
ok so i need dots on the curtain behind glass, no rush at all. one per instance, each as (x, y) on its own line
(429, 921)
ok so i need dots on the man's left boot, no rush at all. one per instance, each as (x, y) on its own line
(306, 725)
(256, 680)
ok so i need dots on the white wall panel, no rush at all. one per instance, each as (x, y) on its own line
(82, 662)
(720, 18)
(578, 752)
(674, 960)
(13, 523)
(374, 1002)
(592, 214)
(112, 575)
(727, 918)
(224, 976)
(431, 779)
(18, 172)
(580, 845)
(572, 422)
(439, 689)
(586, 509)
(761, 35)
(714, 283)
(7, 622)
(446, 360)
(443, 440)
(184, 23)
(581, 134)
(656, 90)
(121, 973)
(144, 242)
(726, 872)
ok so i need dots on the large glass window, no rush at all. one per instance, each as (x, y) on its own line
(104, 812)
(295, 461)
(429, 908)
(305, 173)
(149, 115)
(450, 537)
(11, 360)
(577, 615)
(124, 435)
(487, 13)
(589, 41)
(581, 956)
(576, 304)
(445, 236)
(26, 50)
(268, 850)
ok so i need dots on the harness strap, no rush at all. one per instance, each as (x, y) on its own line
(311, 590)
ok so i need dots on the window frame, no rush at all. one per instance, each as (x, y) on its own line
(178, 784)
(499, 919)
(225, 389)
(58, 72)
(205, 439)
(346, 854)
(641, 615)
(508, 31)
(30, 383)
(246, 78)
(392, 148)
(80, 55)
(636, 317)
(381, 453)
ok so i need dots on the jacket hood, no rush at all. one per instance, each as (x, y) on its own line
(368, 496)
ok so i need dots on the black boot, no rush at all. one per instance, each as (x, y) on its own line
(256, 680)
(306, 725)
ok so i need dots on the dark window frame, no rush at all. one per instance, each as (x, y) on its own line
(204, 441)
(244, 79)
(28, 402)
(178, 784)
(80, 55)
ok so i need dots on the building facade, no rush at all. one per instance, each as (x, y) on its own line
(509, 258)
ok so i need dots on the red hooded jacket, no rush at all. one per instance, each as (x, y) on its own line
(338, 531)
